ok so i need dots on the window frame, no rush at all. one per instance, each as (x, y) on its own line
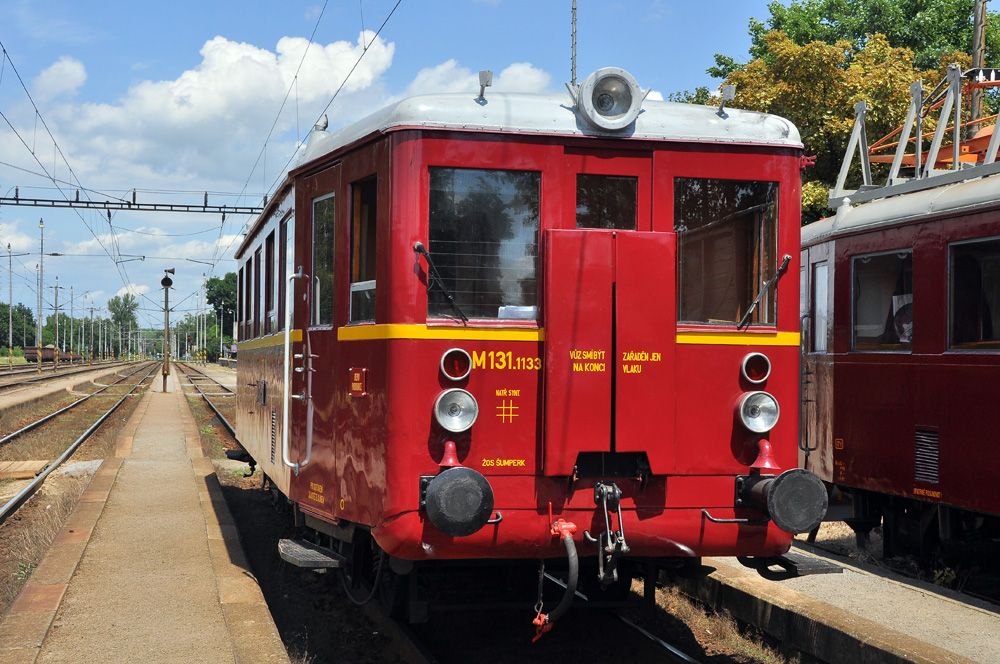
(363, 251)
(315, 290)
(517, 319)
(769, 301)
(950, 344)
(852, 261)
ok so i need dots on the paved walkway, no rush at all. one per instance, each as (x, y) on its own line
(149, 567)
(861, 616)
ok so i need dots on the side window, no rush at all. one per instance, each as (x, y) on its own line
(286, 254)
(270, 301)
(727, 248)
(975, 295)
(241, 303)
(883, 301)
(483, 238)
(363, 236)
(820, 316)
(606, 201)
(322, 260)
(248, 299)
(258, 312)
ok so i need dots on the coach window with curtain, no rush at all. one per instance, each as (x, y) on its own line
(883, 301)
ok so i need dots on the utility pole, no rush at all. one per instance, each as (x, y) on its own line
(978, 55)
(41, 281)
(10, 306)
(55, 354)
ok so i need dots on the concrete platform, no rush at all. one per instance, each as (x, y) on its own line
(32, 393)
(861, 616)
(149, 567)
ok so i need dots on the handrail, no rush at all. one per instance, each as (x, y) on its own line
(287, 388)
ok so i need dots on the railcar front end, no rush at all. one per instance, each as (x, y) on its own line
(515, 326)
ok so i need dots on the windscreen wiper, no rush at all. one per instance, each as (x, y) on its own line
(777, 275)
(434, 278)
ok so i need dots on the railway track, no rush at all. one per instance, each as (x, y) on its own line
(224, 395)
(436, 642)
(90, 418)
(20, 378)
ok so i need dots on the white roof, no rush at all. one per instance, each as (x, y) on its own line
(962, 197)
(555, 114)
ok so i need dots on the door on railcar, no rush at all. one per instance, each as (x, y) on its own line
(313, 302)
(610, 322)
(816, 437)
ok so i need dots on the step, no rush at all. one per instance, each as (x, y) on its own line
(308, 555)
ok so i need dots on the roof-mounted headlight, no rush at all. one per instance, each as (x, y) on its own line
(610, 99)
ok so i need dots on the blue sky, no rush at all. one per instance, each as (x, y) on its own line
(178, 98)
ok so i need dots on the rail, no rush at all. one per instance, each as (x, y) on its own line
(48, 375)
(222, 418)
(37, 423)
(17, 501)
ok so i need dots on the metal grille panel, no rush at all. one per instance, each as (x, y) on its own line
(926, 456)
(274, 432)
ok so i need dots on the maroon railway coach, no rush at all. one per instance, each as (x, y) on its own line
(901, 341)
(532, 326)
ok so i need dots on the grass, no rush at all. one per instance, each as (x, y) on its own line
(24, 542)
(685, 623)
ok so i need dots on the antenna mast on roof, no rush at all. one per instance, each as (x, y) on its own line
(573, 73)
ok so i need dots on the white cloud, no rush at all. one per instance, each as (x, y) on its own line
(19, 242)
(63, 78)
(205, 128)
(134, 289)
(450, 77)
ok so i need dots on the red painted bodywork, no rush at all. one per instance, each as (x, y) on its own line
(605, 298)
(878, 400)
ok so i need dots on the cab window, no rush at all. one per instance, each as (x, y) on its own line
(363, 237)
(726, 248)
(483, 239)
(606, 201)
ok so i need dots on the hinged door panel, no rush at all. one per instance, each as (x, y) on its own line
(578, 351)
(645, 337)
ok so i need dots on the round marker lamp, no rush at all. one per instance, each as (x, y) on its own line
(758, 411)
(456, 364)
(756, 368)
(456, 410)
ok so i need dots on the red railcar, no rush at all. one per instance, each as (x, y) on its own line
(477, 327)
(902, 344)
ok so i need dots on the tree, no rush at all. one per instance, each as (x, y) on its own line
(929, 28)
(221, 294)
(701, 95)
(123, 308)
(24, 326)
(816, 86)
